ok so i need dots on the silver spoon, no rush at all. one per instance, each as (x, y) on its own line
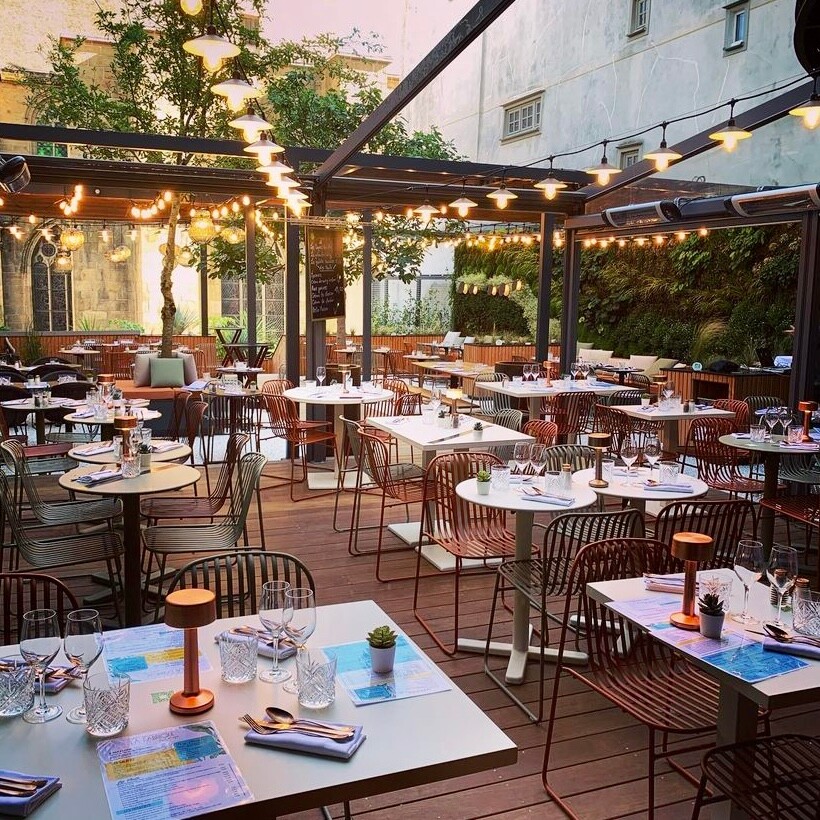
(782, 636)
(283, 716)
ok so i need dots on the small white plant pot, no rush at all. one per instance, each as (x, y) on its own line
(645, 402)
(145, 462)
(711, 625)
(482, 487)
(382, 659)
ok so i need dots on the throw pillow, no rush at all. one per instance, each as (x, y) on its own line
(167, 372)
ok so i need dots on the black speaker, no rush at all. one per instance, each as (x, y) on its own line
(723, 366)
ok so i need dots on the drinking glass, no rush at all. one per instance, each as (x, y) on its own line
(16, 686)
(771, 417)
(668, 389)
(107, 700)
(435, 399)
(39, 643)
(784, 416)
(781, 572)
(749, 564)
(317, 679)
(321, 374)
(652, 452)
(629, 454)
(794, 435)
(521, 456)
(273, 614)
(302, 604)
(538, 457)
(573, 369)
(83, 644)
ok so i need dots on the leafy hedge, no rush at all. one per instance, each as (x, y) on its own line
(722, 295)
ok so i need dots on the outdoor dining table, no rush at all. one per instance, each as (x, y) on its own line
(431, 440)
(408, 742)
(533, 392)
(512, 500)
(106, 424)
(247, 374)
(739, 699)
(457, 371)
(770, 451)
(671, 417)
(620, 372)
(39, 411)
(161, 478)
(88, 453)
(344, 405)
(635, 492)
(81, 353)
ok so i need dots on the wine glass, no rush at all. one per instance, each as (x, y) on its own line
(274, 615)
(39, 644)
(435, 399)
(781, 572)
(629, 454)
(784, 416)
(771, 417)
(652, 452)
(300, 626)
(83, 644)
(573, 369)
(538, 457)
(668, 389)
(321, 374)
(521, 456)
(749, 564)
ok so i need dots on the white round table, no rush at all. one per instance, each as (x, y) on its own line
(348, 405)
(636, 494)
(106, 424)
(162, 478)
(178, 453)
(524, 508)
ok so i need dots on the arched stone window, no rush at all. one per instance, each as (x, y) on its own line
(51, 294)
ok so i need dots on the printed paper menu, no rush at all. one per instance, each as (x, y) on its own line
(176, 772)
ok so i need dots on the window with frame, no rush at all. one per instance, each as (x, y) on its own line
(628, 156)
(639, 17)
(522, 117)
(51, 290)
(737, 26)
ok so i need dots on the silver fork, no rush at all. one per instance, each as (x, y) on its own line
(261, 729)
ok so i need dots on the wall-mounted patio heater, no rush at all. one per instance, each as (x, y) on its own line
(641, 215)
(14, 174)
(776, 200)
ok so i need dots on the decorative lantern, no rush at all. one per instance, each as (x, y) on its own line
(201, 229)
(72, 239)
(232, 235)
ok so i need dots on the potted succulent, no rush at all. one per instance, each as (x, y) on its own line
(712, 614)
(144, 451)
(382, 641)
(478, 428)
(645, 399)
(442, 418)
(482, 482)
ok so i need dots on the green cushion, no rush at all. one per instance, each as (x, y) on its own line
(655, 368)
(167, 373)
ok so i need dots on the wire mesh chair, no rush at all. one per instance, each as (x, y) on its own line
(68, 390)
(176, 425)
(162, 543)
(640, 382)
(487, 402)
(272, 387)
(63, 550)
(630, 397)
(739, 408)
(718, 464)
(237, 578)
(544, 432)
(21, 592)
(755, 403)
(645, 679)
(403, 486)
(727, 521)
(578, 456)
(571, 411)
(16, 419)
(765, 777)
(547, 576)
(465, 530)
(512, 420)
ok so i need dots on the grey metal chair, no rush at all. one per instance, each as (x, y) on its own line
(162, 543)
(237, 577)
(488, 402)
(546, 576)
(512, 420)
(631, 397)
(578, 456)
(22, 592)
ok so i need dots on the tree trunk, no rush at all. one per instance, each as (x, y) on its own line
(341, 332)
(169, 308)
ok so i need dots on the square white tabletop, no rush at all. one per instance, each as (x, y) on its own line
(409, 742)
(676, 414)
(528, 390)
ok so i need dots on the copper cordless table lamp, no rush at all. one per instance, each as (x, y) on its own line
(806, 408)
(189, 609)
(599, 442)
(692, 548)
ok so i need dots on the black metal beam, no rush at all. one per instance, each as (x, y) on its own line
(805, 380)
(203, 290)
(367, 295)
(250, 277)
(542, 322)
(470, 27)
(751, 120)
(569, 307)
(292, 302)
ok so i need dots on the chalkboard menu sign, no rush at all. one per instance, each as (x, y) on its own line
(326, 273)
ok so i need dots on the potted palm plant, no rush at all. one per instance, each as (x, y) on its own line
(712, 614)
(482, 482)
(382, 641)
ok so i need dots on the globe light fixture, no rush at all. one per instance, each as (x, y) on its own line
(232, 235)
(72, 239)
(212, 48)
(63, 261)
(201, 228)
(192, 7)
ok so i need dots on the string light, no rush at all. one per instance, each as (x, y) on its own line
(275, 171)
(663, 155)
(212, 48)
(810, 111)
(550, 185)
(603, 171)
(730, 134)
(192, 7)
(502, 196)
(251, 125)
(264, 149)
(236, 92)
(426, 212)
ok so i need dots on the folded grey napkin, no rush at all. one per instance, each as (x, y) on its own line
(90, 479)
(310, 744)
(803, 650)
(551, 499)
(23, 806)
(97, 450)
(669, 488)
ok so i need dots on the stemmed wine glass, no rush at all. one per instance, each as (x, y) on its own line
(749, 564)
(629, 454)
(784, 416)
(301, 602)
(652, 452)
(521, 456)
(321, 374)
(538, 457)
(83, 644)
(573, 369)
(435, 399)
(668, 389)
(274, 615)
(781, 572)
(39, 644)
(771, 417)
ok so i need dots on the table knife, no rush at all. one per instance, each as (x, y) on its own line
(448, 438)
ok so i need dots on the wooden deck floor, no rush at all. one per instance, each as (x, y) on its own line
(600, 753)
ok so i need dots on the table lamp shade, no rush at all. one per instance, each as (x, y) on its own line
(190, 608)
(692, 548)
(600, 440)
